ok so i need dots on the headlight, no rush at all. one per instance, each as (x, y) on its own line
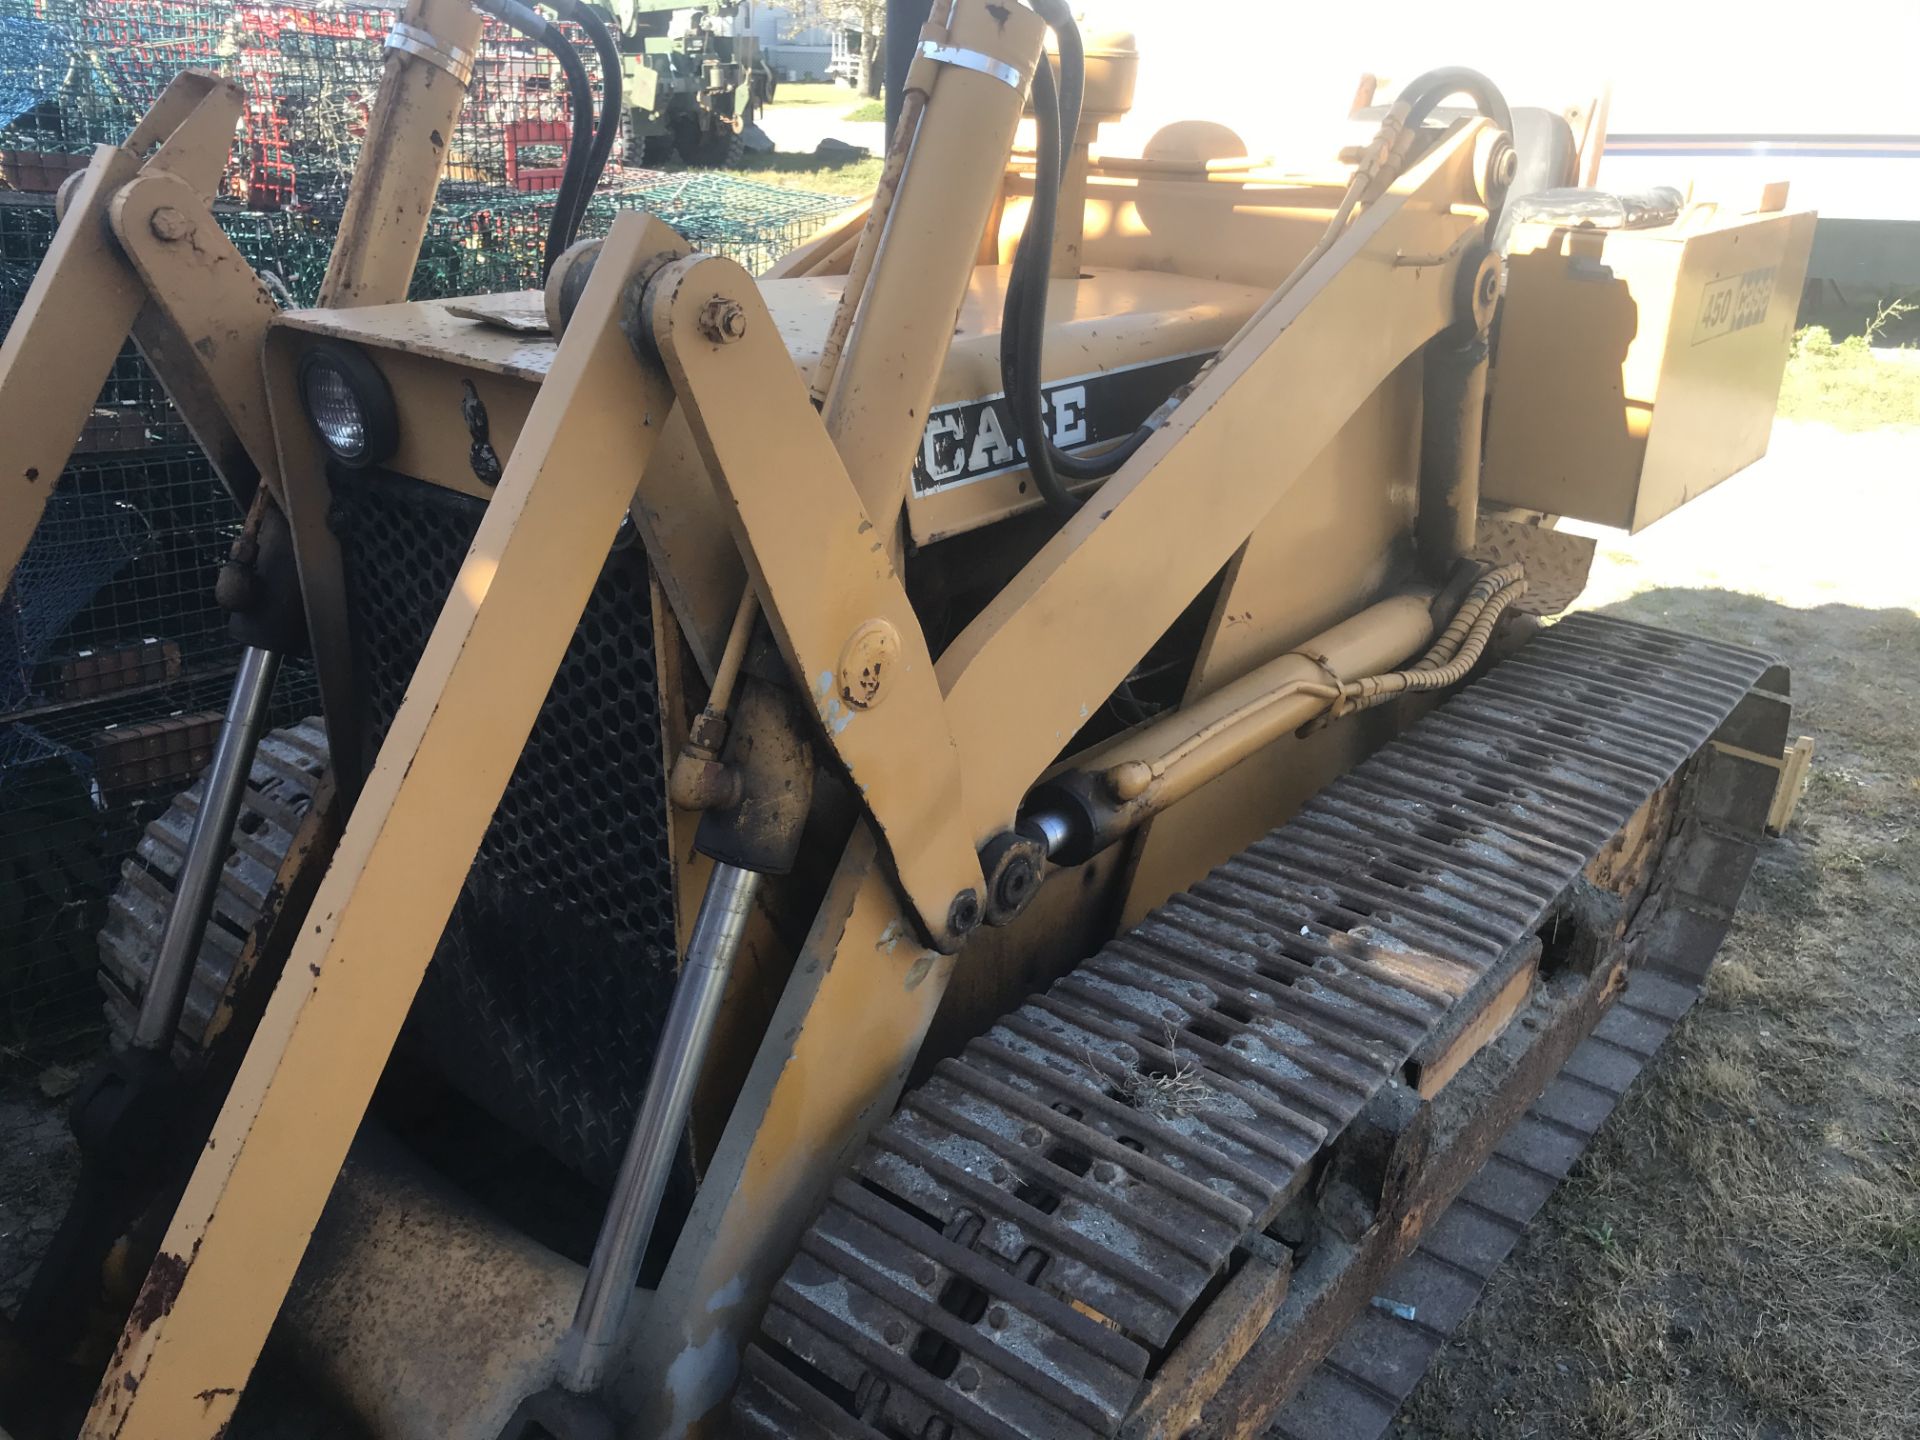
(350, 404)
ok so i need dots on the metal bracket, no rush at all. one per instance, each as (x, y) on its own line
(87, 296)
(966, 59)
(203, 324)
(837, 605)
(412, 40)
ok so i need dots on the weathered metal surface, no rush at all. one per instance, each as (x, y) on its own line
(1557, 561)
(1087, 1168)
(1375, 1365)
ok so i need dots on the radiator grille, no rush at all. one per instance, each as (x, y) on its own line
(545, 997)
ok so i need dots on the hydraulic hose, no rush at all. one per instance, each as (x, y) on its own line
(1423, 94)
(543, 32)
(608, 128)
(1023, 320)
(1024, 313)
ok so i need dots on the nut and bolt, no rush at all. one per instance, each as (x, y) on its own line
(1016, 882)
(723, 321)
(169, 224)
(1013, 865)
(895, 1332)
(997, 1317)
(868, 662)
(963, 916)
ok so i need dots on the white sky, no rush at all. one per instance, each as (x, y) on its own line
(1273, 69)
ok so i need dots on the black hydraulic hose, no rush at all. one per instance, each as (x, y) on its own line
(567, 204)
(1037, 260)
(608, 129)
(1424, 92)
(1024, 316)
(545, 33)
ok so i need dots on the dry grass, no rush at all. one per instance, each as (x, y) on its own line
(1846, 384)
(1739, 1254)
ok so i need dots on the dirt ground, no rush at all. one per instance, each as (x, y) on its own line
(38, 1167)
(1739, 1254)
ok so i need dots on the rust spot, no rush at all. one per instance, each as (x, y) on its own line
(33, 472)
(204, 345)
(207, 1397)
(1000, 15)
(316, 971)
(157, 1295)
(436, 138)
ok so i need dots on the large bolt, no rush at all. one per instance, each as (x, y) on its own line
(1506, 165)
(963, 916)
(169, 224)
(723, 321)
(867, 663)
(1012, 864)
(1013, 887)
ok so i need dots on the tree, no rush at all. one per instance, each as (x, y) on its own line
(868, 17)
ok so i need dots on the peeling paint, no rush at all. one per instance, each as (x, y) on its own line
(698, 1380)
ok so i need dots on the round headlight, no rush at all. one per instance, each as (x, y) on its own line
(351, 407)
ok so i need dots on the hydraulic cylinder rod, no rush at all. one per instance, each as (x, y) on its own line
(628, 1224)
(207, 845)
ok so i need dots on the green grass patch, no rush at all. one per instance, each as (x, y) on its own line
(872, 110)
(820, 174)
(1845, 384)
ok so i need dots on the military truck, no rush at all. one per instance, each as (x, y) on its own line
(693, 79)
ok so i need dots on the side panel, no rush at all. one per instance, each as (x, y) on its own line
(1637, 369)
(1733, 317)
(1316, 560)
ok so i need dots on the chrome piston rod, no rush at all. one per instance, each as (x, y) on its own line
(628, 1225)
(206, 856)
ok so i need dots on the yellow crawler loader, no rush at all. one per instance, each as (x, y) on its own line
(986, 834)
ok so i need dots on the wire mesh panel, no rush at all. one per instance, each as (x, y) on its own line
(114, 658)
(80, 73)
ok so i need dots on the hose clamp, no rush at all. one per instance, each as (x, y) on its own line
(1342, 702)
(973, 60)
(412, 40)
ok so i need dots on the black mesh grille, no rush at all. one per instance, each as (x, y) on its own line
(545, 998)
